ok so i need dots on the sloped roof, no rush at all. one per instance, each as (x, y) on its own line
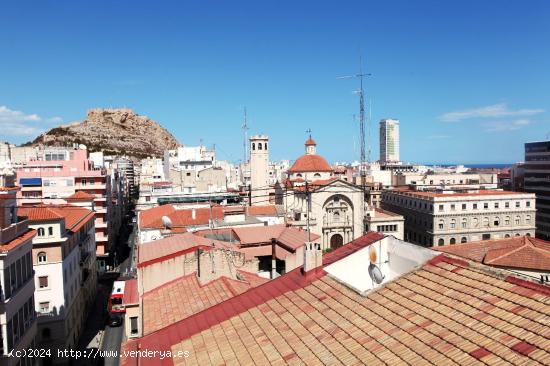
(310, 163)
(448, 311)
(74, 216)
(290, 237)
(185, 296)
(266, 210)
(152, 218)
(39, 213)
(175, 245)
(80, 196)
(517, 252)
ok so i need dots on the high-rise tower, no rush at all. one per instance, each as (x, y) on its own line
(259, 164)
(389, 141)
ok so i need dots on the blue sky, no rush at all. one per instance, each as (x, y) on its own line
(469, 80)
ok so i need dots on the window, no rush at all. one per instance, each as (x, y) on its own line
(317, 175)
(518, 220)
(485, 236)
(486, 205)
(485, 222)
(463, 240)
(453, 207)
(50, 231)
(507, 205)
(265, 145)
(496, 204)
(188, 174)
(475, 206)
(528, 204)
(259, 146)
(440, 207)
(40, 231)
(507, 220)
(43, 281)
(83, 182)
(453, 241)
(42, 257)
(496, 221)
(134, 325)
(463, 206)
(517, 204)
(528, 219)
(441, 224)
(453, 224)
(440, 242)
(44, 307)
(464, 223)
(507, 235)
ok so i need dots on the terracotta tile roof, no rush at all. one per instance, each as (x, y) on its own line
(131, 295)
(152, 218)
(310, 163)
(267, 210)
(385, 213)
(446, 312)
(290, 237)
(185, 296)
(517, 252)
(310, 142)
(41, 213)
(80, 196)
(22, 239)
(176, 245)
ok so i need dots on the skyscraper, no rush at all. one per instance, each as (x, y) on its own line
(537, 180)
(389, 141)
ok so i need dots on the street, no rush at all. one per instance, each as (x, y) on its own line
(96, 328)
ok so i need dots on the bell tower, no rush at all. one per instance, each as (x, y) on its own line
(259, 165)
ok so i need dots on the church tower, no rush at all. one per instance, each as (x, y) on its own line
(259, 165)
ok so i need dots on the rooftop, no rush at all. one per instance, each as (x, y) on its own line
(521, 252)
(185, 296)
(310, 163)
(444, 311)
(474, 193)
(74, 216)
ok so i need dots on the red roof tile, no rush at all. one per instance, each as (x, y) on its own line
(80, 196)
(176, 245)
(352, 247)
(427, 316)
(310, 163)
(267, 210)
(152, 218)
(41, 213)
(517, 252)
(74, 216)
(22, 239)
(290, 237)
(131, 295)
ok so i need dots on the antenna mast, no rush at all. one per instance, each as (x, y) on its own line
(245, 143)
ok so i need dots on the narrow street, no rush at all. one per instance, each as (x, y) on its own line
(97, 333)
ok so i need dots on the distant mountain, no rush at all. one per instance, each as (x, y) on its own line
(113, 131)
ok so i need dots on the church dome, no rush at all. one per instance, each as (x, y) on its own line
(310, 163)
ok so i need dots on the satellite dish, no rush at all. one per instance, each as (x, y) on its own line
(167, 222)
(374, 272)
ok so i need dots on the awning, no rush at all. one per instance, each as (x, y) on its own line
(28, 182)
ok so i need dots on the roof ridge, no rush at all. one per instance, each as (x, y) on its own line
(506, 254)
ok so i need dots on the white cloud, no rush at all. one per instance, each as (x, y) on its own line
(18, 123)
(491, 111)
(498, 126)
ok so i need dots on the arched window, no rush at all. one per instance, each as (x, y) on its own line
(299, 175)
(518, 220)
(42, 258)
(253, 146)
(463, 240)
(259, 145)
(265, 146)
(507, 235)
(485, 222)
(441, 242)
(50, 231)
(517, 234)
(507, 221)
(527, 234)
(528, 219)
(441, 225)
(40, 231)
(453, 241)
(475, 222)
(317, 175)
(464, 223)
(453, 225)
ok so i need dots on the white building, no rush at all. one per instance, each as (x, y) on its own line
(259, 160)
(389, 141)
(447, 217)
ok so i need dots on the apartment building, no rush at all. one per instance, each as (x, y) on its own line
(448, 180)
(60, 173)
(65, 273)
(537, 180)
(438, 217)
(17, 315)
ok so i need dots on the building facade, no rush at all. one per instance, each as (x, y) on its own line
(389, 141)
(17, 315)
(445, 217)
(537, 180)
(259, 161)
(65, 273)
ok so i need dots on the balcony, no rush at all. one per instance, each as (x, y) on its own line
(345, 222)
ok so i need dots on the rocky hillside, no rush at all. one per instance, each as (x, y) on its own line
(114, 131)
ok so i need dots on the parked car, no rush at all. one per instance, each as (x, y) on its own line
(115, 320)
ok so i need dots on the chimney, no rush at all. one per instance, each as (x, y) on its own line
(313, 256)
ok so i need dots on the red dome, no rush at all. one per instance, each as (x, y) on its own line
(310, 141)
(310, 163)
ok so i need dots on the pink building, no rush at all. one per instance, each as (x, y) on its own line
(67, 175)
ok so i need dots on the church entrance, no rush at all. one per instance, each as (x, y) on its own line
(336, 241)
